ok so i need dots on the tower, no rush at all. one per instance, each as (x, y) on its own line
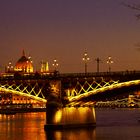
(44, 66)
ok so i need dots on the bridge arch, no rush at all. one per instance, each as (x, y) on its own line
(104, 89)
(6, 90)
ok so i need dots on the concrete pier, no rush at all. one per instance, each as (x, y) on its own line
(60, 117)
(69, 117)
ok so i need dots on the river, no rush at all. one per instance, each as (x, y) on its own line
(112, 124)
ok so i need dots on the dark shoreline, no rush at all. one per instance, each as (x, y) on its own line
(28, 110)
(23, 110)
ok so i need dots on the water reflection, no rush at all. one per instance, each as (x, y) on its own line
(26, 126)
(73, 134)
(111, 124)
(30, 126)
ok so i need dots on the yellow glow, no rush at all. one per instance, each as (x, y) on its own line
(103, 89)
(58, 116)
(3, 89)
(94, 114)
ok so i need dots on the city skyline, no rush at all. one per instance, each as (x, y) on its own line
(65, 30)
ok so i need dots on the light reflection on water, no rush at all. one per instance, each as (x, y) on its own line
(81, 134)
(22, 126)
(71, 115)
(112, 124)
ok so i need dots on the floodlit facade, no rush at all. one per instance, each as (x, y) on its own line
(24, 64)
(44, 67)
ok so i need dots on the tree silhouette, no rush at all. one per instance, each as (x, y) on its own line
(135, 7)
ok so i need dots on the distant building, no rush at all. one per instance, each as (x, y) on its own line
(24, 64)
(44, 67)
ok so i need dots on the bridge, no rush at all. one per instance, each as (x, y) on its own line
(79, 88)
(65, 95)
(129, 102)
(88, 97)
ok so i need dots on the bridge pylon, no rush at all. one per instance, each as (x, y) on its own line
(58, 116)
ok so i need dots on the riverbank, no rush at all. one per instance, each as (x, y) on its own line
(21, 110)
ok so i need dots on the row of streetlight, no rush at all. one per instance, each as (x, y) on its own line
(86, 59)
(98, 60)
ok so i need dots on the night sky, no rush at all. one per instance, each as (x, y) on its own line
(65, 29)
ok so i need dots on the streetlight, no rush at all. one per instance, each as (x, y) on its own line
(29, 64)
(109, 62)
(10, 67)
(85, 59)
(55, 64)
(98, 60)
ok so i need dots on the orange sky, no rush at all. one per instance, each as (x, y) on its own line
(65, 29)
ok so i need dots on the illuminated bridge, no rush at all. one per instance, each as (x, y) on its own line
(73, 89)
(89, 97)
(131, 101)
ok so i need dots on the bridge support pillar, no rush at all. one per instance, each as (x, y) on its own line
(65, 118)
(59, 117)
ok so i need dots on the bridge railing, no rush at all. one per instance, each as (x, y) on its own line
(7, 76)
(100, 74)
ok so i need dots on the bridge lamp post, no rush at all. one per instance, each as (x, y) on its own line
(109, 62)
(55, 64)
(85, 59)
(98, 60)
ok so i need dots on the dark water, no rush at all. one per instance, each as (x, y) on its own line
(112, 124)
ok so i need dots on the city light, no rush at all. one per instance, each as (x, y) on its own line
(103, 89)
(55, 64)
(85, 59)
(109, 62)
(9, 67)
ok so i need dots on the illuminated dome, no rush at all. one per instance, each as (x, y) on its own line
(24, 64)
